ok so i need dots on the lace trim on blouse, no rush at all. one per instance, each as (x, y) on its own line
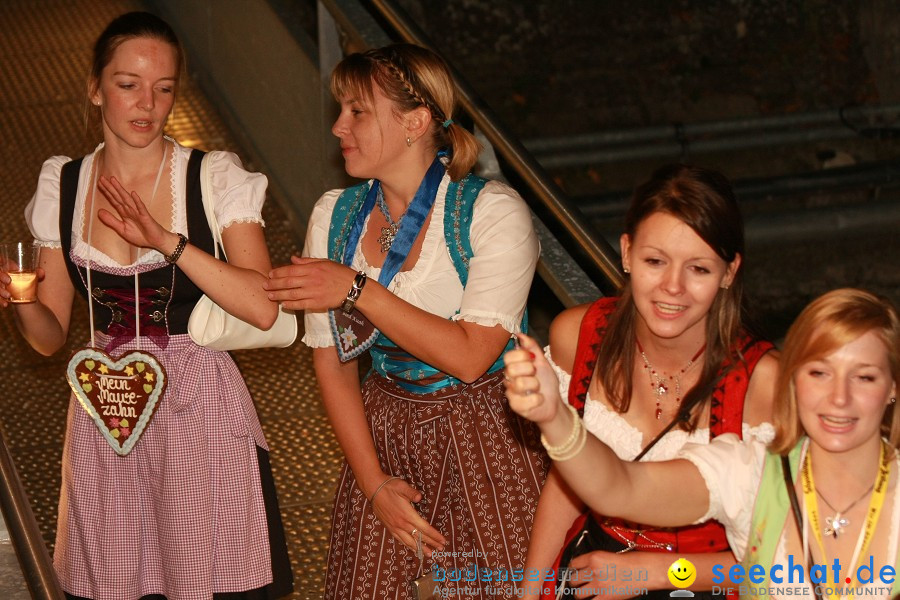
(99, 259)
(489, 320)
(230, 222)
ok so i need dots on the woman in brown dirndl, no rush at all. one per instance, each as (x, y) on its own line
(180, 505)
(441, 480)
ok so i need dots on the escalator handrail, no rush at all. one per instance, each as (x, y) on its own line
(34, 559)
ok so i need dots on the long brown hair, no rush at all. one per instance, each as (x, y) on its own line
(704, 201)
(411, 77)
(827, 323)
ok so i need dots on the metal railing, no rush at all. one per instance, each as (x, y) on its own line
(37, 568)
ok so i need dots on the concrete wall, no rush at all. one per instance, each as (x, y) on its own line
(265, 80)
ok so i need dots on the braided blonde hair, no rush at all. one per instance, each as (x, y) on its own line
(411, 77)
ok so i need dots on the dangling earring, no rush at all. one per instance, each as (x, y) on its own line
(408, 142)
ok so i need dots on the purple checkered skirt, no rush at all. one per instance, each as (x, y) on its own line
(182, 514)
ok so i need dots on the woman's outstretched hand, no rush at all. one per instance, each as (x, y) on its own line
(132, 221)
(531, 385)
(310, 284)
(393, 505)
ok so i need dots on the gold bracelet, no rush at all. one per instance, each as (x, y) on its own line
(573, 444)
(383, 483)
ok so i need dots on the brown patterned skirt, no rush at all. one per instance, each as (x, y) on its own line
(479, 468)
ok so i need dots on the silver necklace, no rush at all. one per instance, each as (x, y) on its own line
(836, 524)
(658, 380)
(390, 232)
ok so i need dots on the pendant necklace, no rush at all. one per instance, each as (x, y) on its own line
(659, 382)
(386, 239)
(835, 525)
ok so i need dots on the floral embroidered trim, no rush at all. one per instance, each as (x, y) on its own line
(173, 187)
(337, 240)
(458, 224)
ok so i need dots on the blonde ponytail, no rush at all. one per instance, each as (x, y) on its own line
(464, 149)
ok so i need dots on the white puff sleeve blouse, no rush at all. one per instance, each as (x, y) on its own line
(731, 470)
(238, 196)
(42, 213)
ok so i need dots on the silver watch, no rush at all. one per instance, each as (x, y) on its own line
(353, 295)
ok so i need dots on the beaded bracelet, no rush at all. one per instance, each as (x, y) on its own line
(176, 253)
(578, 447)
(573, 444)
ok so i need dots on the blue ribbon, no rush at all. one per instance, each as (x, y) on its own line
(387, 358)
(409, 228)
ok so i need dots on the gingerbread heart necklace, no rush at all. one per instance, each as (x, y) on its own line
(120, 395)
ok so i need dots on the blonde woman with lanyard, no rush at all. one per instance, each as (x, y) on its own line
(836, 397)
(439, 471)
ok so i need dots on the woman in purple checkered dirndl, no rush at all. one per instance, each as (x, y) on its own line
(181, 506)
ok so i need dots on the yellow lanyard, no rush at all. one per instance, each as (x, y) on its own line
(875, 503)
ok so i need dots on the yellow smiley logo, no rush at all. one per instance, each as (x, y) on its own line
(682, 573)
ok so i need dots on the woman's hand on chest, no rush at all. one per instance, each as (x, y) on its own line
(131, 220)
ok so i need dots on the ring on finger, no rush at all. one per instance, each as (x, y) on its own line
(414, 532)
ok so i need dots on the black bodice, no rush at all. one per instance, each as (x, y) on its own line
(167, 295)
